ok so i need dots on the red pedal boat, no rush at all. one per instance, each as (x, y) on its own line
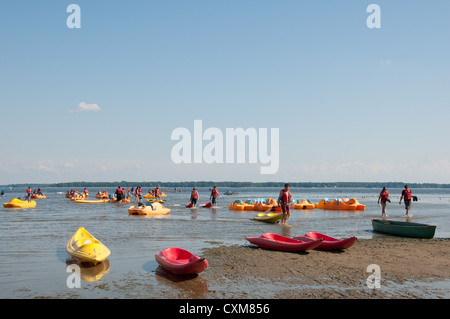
(278, 242)
(180, 261)
(328, 243)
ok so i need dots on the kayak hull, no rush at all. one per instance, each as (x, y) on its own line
(329, 243)
(86, 248)
(180, 261)
(269, 217)
(282, 243)
(403, 229)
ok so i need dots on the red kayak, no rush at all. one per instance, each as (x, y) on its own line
(278, 242)
(328, 243)
(189, 205)
(180, 261)
(207, 205)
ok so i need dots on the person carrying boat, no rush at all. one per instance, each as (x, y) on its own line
(284, 200)
(194, 197)
(383, 198)
(214, 196)
(406, 196)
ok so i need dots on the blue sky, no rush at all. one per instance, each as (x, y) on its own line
(351, 103)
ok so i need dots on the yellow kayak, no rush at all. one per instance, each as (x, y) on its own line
(86, 247)
(269, 217)
(155, 200)
(151, 209)
(17, 203)
(91, 201)
(148, 195)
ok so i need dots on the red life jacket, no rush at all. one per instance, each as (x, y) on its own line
(384, 196)
(407, 194)
(214, 192)
(286, 197)
(195, 194)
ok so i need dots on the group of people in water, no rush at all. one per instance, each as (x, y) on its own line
(284, 197)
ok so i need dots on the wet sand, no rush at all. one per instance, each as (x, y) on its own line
(410, 268)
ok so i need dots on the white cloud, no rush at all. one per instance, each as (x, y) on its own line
(83, 106)
(386, 62)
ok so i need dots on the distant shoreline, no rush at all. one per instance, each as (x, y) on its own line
(233, 184)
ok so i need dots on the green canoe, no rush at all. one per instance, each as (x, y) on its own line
(405, 229)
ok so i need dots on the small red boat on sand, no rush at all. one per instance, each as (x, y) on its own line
(328, 243)
(180, 261)
(278, 242)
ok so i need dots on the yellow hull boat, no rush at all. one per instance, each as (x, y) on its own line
(17, 203)
(91, 201)
(87, 248)
(268, 218)
(151, 209)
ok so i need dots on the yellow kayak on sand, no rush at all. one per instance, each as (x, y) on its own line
(17, 203)
(86, 247)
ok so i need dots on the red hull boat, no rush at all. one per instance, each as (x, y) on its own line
(180, 261)
(328, 243)
(278, 242)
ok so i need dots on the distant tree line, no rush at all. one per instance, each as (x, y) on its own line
(233, 184)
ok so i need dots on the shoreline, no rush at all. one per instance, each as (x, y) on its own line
(410, 269)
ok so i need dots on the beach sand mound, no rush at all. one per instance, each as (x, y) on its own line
(405, 265)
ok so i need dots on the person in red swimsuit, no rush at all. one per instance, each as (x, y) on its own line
(383, 198)
(284, 199)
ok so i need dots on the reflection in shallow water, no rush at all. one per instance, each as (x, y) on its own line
(193, 284)
(88, 271)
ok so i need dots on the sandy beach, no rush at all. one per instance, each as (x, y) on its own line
(406, 266)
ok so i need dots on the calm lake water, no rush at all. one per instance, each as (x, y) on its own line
(33, 259)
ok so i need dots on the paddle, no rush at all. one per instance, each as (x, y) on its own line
(270, 210)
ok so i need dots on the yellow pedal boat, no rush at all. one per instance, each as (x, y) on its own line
(87, 248)
(151, 209)
(91, 201)
(17, 203)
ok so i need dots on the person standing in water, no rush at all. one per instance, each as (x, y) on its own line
(284, 199)
(383, 198)
(406, 196)
(194, 197)
(214, 196)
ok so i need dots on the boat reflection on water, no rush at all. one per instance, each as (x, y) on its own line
(90, 272)
(194, 284)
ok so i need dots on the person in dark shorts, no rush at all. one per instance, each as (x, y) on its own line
(194, 197)
(407, 197)
(214, 196)
(119, 194)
